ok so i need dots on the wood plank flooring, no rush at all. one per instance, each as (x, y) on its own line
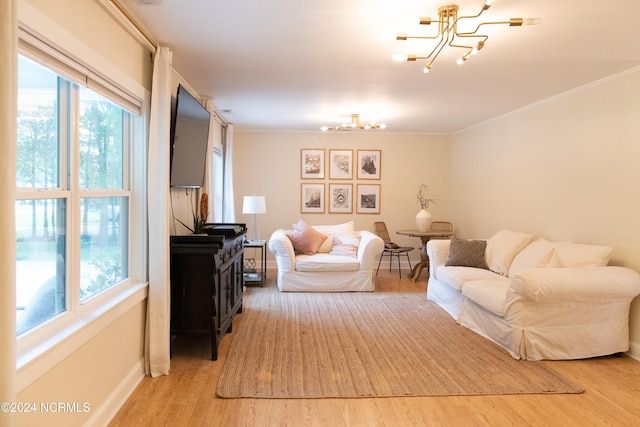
(186, 397)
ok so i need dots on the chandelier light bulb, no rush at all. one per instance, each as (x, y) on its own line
(399, 57)
(532, 21)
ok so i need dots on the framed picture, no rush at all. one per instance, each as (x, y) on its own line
(368, 198)
(340, 164)
(340, 198)
(312, 164)
(312, 198)
(369, 164)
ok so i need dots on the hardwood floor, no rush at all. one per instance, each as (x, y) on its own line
(187, 395)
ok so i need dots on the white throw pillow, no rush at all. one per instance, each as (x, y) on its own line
(580, 255)
(344, 228)
(502, 248)
(537, 254)
(345, 245)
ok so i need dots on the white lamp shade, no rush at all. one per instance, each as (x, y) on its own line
(254, 205)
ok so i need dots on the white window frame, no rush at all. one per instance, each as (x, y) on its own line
(41, 348)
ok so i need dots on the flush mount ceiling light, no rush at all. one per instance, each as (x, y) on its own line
(449, 35)
(355, 125)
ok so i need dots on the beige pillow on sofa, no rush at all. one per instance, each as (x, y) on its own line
(580, 255)
(503, 247)
(537, 254)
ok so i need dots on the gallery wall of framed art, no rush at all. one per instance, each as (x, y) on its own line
(340, 195)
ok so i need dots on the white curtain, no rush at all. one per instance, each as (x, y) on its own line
(208, 185)
(157, 340)
(229, 214)
(8, 102)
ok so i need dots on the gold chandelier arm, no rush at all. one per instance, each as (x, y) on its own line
(513, 22)
(425, 21)
(441, 44)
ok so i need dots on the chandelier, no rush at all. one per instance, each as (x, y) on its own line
(355, 125)
(448, 34)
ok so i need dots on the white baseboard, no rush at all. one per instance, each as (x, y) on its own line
(634, 350)
(105, 413)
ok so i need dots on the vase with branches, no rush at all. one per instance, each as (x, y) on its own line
(425, 198)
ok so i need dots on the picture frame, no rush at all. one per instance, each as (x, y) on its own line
(312, 198)
(368, 199)
(369, 162)
(312, 165)
(340, 198)
(340, 164)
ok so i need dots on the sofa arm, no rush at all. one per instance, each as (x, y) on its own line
(576, 284)
(438, 252)
(280, 245)
(369, 250)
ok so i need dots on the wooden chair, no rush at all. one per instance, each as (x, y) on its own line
(390, 249)
(441, 226)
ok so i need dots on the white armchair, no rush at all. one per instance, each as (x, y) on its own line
(327, 270)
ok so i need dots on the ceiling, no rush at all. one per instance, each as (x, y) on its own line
(302, 64)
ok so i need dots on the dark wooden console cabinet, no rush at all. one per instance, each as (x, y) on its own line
(206, 284)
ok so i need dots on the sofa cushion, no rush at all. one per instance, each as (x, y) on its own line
(580, 255)
(466, 253)
(537, 254)
(326, 262)
(490, 294)
(503, 247)
(456, 277)
(305, 238)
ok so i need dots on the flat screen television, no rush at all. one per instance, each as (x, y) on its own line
(189, 140)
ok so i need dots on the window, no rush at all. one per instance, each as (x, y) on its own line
(73, 195)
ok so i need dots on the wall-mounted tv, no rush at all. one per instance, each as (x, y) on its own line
(189, 140)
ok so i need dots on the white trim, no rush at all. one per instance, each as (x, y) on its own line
(122, 15)
(634, 350)
(39, 359)
(104, 414)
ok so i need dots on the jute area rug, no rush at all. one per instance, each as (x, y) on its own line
(381, 344)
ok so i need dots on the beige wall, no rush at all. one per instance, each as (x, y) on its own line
(91, 375)
(564, 169)
(268, 163)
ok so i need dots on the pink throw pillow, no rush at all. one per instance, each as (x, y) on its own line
(305, 238)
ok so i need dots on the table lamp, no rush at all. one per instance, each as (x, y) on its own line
(253, 205)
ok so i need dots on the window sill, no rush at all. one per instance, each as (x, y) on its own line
(37, 360)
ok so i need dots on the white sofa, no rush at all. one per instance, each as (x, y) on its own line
(535, 298)
(344, 261)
